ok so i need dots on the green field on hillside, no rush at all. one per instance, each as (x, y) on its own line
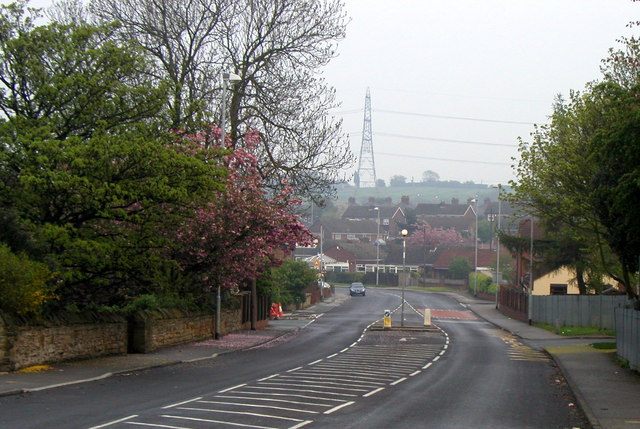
(420, 193)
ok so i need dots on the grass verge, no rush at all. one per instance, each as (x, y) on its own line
(573, 331)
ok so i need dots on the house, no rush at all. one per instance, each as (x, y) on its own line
(365, 230)
(555, 282)
(453, 210)
(440, 260)
(460, 217)
(391, 217)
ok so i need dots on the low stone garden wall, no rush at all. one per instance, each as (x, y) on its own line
(25, 343)
(150, 330)
(69, 336)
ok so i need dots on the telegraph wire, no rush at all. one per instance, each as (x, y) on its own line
(442, 159)
(403, 136)
(430, 115)
(445, 140)
(461, 118)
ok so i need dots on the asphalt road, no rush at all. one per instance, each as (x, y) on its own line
(467, 374)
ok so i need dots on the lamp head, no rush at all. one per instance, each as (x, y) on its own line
(404, 232)
(231, 77)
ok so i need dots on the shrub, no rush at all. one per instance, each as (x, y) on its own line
(25, 285)
(459, 268)
(481, 283)
(345, 277)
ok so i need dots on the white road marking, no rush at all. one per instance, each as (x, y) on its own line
(306, 422)
(232, 388)
(295, 369)
(339, 407)
(268, 378)
(114, 422)
(399, 381)
(312, 404)
(272, 407)
(155, 425)
(182, 403)
(300, 390)
(244, 425)
(373, 392)
(242, 413)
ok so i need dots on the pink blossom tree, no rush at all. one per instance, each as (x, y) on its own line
(425, 235)
(243, 228)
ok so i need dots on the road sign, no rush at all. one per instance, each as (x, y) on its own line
(387, 318)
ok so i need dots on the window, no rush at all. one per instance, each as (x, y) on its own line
(558, 289)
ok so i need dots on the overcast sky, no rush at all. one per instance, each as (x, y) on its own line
(500, 61)
(491, 68)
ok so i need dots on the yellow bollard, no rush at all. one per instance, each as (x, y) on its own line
(427, 317)
(387, 318)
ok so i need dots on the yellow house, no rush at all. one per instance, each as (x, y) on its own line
(559, 282)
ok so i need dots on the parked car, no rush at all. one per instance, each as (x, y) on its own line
(357, 288)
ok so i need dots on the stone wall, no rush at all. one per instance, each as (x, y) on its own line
(85, 336)
(25, 343)
(152, 329)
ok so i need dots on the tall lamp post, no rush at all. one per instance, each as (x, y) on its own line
(530, 306)
(475, 265)
(377, 246)
(404, 233)
(226, 79)
(499, 186)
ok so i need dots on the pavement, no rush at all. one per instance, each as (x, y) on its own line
(607, 393)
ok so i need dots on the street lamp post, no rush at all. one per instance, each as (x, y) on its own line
(226, 78)
(530, 306)
(321, 263)
(475, 267)
(404, 280)
(378, 246)
(499, 186)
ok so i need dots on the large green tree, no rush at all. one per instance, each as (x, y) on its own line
(87, 176)
(616, 179)
(579, 175)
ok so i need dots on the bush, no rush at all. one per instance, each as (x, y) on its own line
(286, 284)
(481, 283)
(25, 285)
(459, 268)
(341, 277)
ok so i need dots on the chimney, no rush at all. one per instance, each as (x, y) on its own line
(404, 200)
(455, 201)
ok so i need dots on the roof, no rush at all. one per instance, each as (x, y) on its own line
(339, 254)
(368, 212)
(458, 223)
(363, 251)
(414, 255)
(486, 257)
(342, 226)
(442, 209)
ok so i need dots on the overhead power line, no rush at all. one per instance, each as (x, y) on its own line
(445, 140)
(461, 118)
(413, 156)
